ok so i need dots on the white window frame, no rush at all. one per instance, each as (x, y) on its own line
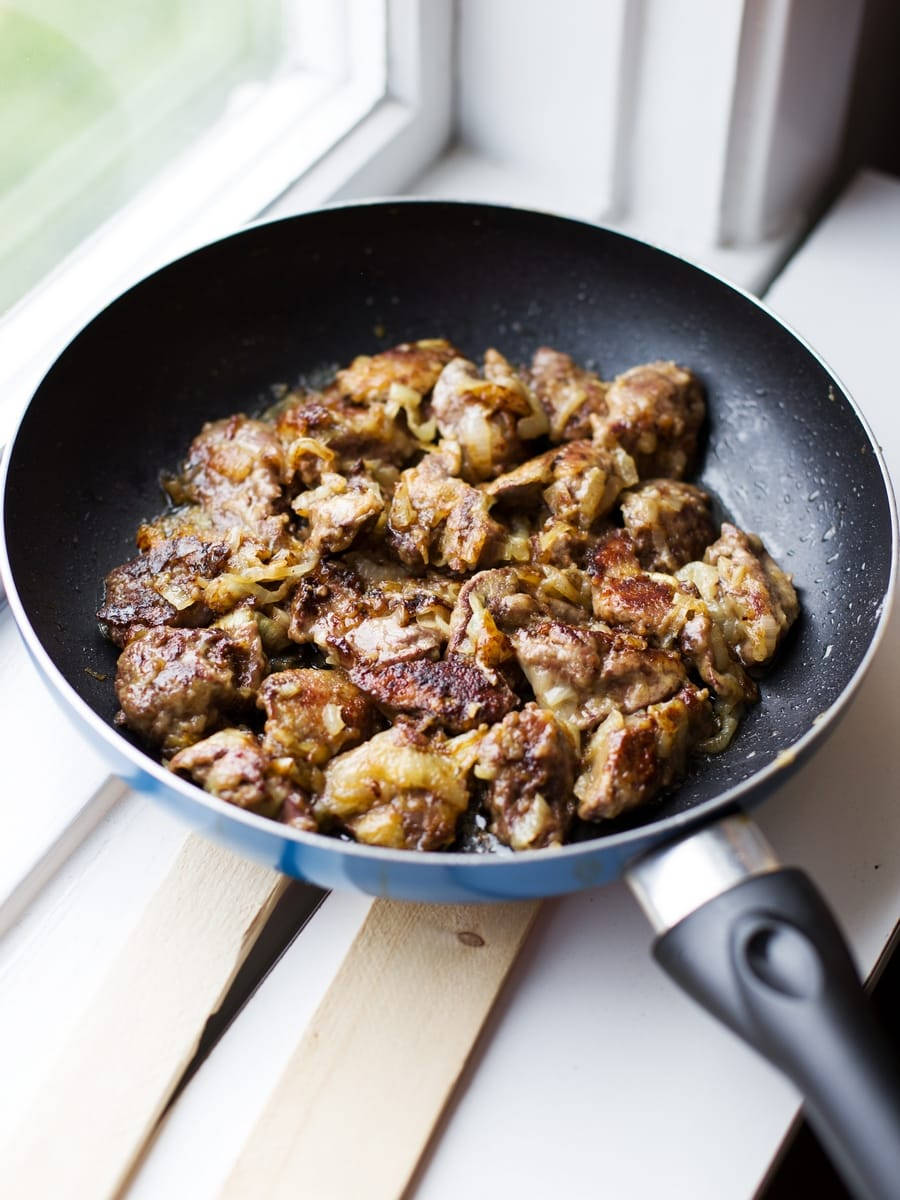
(711, 127)
(311, 135)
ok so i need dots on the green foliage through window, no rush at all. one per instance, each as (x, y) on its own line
(96, 96)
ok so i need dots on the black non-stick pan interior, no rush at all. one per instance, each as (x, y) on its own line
(218, 331)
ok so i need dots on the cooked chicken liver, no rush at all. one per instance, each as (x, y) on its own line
(433, 589)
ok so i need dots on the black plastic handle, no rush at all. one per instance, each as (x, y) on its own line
(767, 958)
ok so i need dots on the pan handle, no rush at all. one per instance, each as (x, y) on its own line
(756, 945)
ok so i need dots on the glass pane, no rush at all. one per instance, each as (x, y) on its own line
(95, 97)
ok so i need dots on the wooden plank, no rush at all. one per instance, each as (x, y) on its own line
(370, 1076)
(101, 1102)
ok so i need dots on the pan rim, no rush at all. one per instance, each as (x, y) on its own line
(667, 827)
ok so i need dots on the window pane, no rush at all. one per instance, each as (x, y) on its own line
(95, 97)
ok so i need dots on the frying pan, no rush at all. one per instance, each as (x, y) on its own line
(788, 456)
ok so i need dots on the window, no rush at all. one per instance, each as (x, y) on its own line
(130, 133)
(711, 128)
(94, 99)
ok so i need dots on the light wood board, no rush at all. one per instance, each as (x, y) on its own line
(367, 1080)
(101, 1102)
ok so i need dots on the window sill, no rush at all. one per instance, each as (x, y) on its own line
(462, 174)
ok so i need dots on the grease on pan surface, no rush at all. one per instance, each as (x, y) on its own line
(438, 597)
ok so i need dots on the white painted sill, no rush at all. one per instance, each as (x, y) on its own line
(464, 174)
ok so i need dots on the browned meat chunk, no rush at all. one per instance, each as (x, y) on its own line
(356, 624)
(436, 518)
(670, 613)
(559, 544)
(387, 640)
(670, 523)
(586, 482)
(356, 417)
(232, 765)
(493, 604)
(314, 714)
(487, 416)
(528, 763)
(673, 616)
(399, 789)
(188, 520)
(631, 759)
(578, 482)
(474, 631)
(327, 432)
(655, 413)
(648, 604)
(415, 365)
(328, 602)
(523, 486)
(489, 590)
(162, 587)
(581, 674)
(516, 595)
(426, 598)
(750, 597)
(269, 552)
(233, 481)
(453, 691)
(338, 510)
(174, 685)
(236, 470)
(569, 394)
